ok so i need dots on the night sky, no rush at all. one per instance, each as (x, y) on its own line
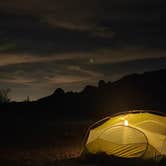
(47, 44)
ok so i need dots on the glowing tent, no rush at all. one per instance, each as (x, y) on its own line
(132, 134)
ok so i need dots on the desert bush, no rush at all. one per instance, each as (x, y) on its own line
(4, 95)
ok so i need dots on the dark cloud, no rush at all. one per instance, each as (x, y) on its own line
(52, 26)
(28, 34)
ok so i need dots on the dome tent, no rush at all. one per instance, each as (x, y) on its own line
(134, 134)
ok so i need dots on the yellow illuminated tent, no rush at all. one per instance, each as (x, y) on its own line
(134, 134)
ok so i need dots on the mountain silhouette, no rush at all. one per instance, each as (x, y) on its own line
(136, 91)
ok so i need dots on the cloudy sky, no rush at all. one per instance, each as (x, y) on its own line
(46, 44)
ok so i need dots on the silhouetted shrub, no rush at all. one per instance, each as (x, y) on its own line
(101, 83)
(4, 95)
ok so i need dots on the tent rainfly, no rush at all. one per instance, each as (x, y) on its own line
(134, 134)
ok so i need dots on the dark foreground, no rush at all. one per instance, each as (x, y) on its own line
(98, 160)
